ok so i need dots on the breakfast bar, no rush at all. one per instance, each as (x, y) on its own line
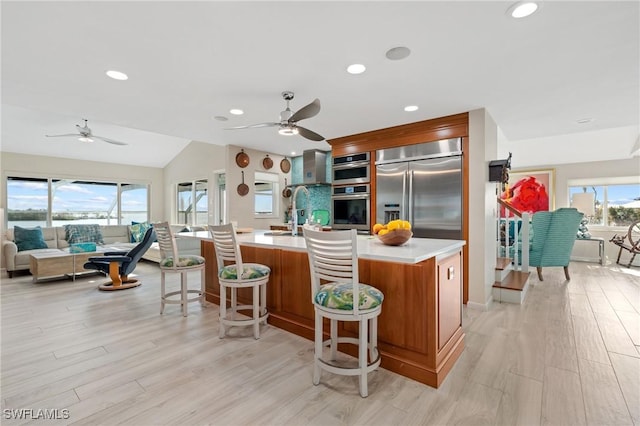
(420, 329)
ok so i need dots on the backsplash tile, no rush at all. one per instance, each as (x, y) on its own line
(319, 195)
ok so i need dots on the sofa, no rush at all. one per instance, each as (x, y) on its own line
(117, 237)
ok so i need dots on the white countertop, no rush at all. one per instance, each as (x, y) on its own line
(369, 247)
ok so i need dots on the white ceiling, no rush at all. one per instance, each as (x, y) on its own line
(190, 61)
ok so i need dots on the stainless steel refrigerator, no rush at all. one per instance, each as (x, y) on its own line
(422, 184)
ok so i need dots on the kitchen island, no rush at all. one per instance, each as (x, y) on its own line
(420, 329)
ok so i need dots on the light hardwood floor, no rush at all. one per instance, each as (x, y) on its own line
(568, 356)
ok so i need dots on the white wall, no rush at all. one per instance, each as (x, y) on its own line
(199, 160)
(601, 145)
(483, 141)
(241, 208)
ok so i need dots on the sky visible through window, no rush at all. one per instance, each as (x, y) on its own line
(23, 195)
(77, 198)
(618, 195)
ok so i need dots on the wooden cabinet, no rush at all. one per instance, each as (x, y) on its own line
(453, 126)
(449, 297)
(419, 330)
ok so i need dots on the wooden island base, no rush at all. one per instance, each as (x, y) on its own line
(419, 331)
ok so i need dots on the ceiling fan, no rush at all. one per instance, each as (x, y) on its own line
(84, 135)
(288, 124)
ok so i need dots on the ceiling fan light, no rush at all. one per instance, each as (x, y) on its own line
(522, 9)
(117, 75)
(85, 139)
(288, 131)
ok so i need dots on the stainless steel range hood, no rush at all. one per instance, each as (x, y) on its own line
(314, 167)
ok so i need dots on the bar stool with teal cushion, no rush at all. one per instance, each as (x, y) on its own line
(253, 275)
(171, 261)
(333, 264)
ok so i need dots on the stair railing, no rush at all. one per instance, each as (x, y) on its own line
(525, 217)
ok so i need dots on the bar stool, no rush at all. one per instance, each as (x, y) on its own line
(253, 276)
(172, 261)
(333, 259)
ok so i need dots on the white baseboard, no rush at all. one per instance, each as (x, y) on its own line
(481, 306)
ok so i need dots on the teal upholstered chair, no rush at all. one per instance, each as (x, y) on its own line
(554, 234)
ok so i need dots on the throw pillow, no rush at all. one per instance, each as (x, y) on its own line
(86, 233)
(138, 230)
(29, 239)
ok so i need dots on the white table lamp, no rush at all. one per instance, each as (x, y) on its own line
(584, 202)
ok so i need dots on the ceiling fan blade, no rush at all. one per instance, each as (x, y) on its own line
(63, 136)
(254, 126)
(108, 140)
(306, 112)
(306, 133)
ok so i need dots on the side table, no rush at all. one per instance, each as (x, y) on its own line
(600, 242)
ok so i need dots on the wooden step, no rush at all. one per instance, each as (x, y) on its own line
(502, 263)
(515, 280)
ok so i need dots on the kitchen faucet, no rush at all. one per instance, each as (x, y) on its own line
(294, 219)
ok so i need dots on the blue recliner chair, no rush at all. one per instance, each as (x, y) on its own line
(554, 234)
(118, 264)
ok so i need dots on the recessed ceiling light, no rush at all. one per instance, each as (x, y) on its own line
(220, 118)
(84, 139)
(117, 75)
(522, 9)
(584, 120)
(397, 53)
(411, 108)
(293, 153)
(236, 111)
(356, 69)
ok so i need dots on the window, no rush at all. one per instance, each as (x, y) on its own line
(73, 201)
(56, 202)
(134, 199)
(616, 204)
(27, 202)
(266, 191)
(193, 202)
(222, 198)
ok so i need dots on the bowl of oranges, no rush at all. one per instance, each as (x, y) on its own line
(394, 233)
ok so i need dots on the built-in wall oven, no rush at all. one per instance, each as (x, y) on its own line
(351, 207)
(351, 169)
